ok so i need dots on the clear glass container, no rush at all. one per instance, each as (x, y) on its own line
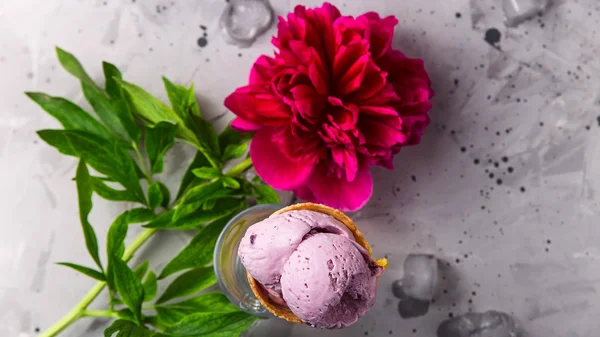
(231, 274)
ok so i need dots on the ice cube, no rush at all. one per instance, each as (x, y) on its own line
(245, 20)
(487, 324)
(420, 276)
(397, 289)
(517, 11)
(410, 307)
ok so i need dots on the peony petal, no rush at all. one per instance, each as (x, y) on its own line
(346, 56)
(304, 193)
(274, 166)
(256, 104)
(340, 193)
(379, 133)
(381, 32)
(242, 125)
(353, 78)
(260, 72)
(308, 102)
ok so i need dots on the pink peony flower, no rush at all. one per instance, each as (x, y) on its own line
(334, 100)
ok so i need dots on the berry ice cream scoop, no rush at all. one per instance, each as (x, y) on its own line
(308, 263)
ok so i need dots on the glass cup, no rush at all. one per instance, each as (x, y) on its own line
(231, 274)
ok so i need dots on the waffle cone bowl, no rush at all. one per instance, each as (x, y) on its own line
(283, 311)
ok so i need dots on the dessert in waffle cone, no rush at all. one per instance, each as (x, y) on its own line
(283, 311)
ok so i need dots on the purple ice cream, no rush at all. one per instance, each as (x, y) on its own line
(310, 262)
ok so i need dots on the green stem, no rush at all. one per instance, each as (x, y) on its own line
(75, 313)
(138, 242)
(240, 168)
(99, 313)
(79, 310)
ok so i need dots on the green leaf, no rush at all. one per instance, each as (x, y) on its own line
(93, 93)
(233, 151)
(199, 252)
(231, 137)
(209, 204)
(199, 217)
(150, 287)
(209, 302)
(126, 314)
(109, 193)
(103, 108)
(72, 65)
(178, 96)
(71, 116)
(155, 197)
(115, 239)
(164, 190)
(207, 323)
(139, 215)
(265, 194)
(84, 270)
(201, 193)
(184, 104)
(162, 221)
(141, 270)
(155, 322)
(117, 98)
(115, 246)
(155, 111)
(188, 178)
(124, 328)
(207, 172)
(189, 283)
(230, 182)
(171, 314)
(206, 135)
(159, 139)
(105, 157)
(84, 194)
(129, 287)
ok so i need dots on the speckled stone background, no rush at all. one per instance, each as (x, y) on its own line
(504, 187)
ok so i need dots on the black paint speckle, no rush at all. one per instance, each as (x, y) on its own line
(492, 36)
(463, 149)
(505, 159)
(510, 169)
(476, 161)
(499, 181)
(458, 15)
(203, 27)
(37, 330)
(202, 42)
(414, 178)
(598, 119)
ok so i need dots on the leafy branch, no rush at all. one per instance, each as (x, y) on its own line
(123, 143)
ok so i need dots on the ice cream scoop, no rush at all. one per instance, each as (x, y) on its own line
(308, 263)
